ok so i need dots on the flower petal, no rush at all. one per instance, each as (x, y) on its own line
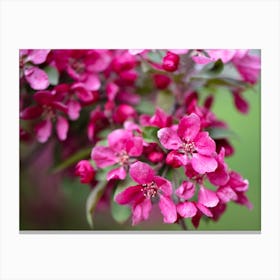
(168, 209)
(169, 139)
(130, 195)
(187, 209)
(204, 144)
(37, 78)
(189, 127)
(62, 127)
(141, 211)
(226, 194)
(38, 56)
(164, 185)
(118, 173)
(43, 131)
(118, 138)
(141, 172)
(176, 159)
(203, 164)
(103, 156)
(207, 197)
(134, 146)
(186, 190)
(204, 210)
(31, 112)
(92, 82)
(74, 109)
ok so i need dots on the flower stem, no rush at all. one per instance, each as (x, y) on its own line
(182, 223)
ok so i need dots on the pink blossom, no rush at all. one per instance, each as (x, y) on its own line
(122, 146)
(159, 119)
(124, 112)
(85, 170)
(36, 77)
(48, 106)
(190, 145)
(149, 187)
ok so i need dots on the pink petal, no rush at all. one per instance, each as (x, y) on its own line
(241, 103)
(118, 138)
(37, 78)
(186, 209)
(164, 185)
(103, 156)
(44, 97)
(118, 173)
(111, 90)
(189, 127)
(168, 209)
(201, 59)
(62, 127)
(43, 131)
(178, 51)
(204, 144)
(130, 195)
(207, 197)
(141, 172)
(31, 112)
(134, 146)
(38, 56)
(92, 82)
(74, 109)
(169, 139)
(220, 176)
(176, 159)
(82, 92)
(204, 210)
(161, 119)
(226, 194)
(203, 164)
(224, 55)
(141, 211)
(136, 51)
(186, 190)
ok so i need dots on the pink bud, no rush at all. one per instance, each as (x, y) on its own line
(85, 171)
(123, 112)
(161, 81)
(170, 62)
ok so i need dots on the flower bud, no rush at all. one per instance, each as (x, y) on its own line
(170, 62)
(85, 171)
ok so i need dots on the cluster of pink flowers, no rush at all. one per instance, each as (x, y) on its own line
(118, 103)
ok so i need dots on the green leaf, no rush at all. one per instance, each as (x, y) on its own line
(53, 75)
(156, 56)
(145, 107)
(92, 201)
(165, 100)
(217, 68)
(81, 154)
(221, 133)
(149, 134)
(121, 213)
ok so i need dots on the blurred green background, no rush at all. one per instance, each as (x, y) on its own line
(60, 204)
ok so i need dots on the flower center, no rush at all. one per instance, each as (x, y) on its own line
(48, 112)
(77, 65)
(187, 148)
(123, 158)
(149, 190)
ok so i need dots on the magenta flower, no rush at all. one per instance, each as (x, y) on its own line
(85, 170)
(190, 145)
(149, 187)
(36, 77)
(159, 119)
(122, 146)
(48, 106)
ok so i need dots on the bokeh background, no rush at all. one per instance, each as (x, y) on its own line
(51, 201)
